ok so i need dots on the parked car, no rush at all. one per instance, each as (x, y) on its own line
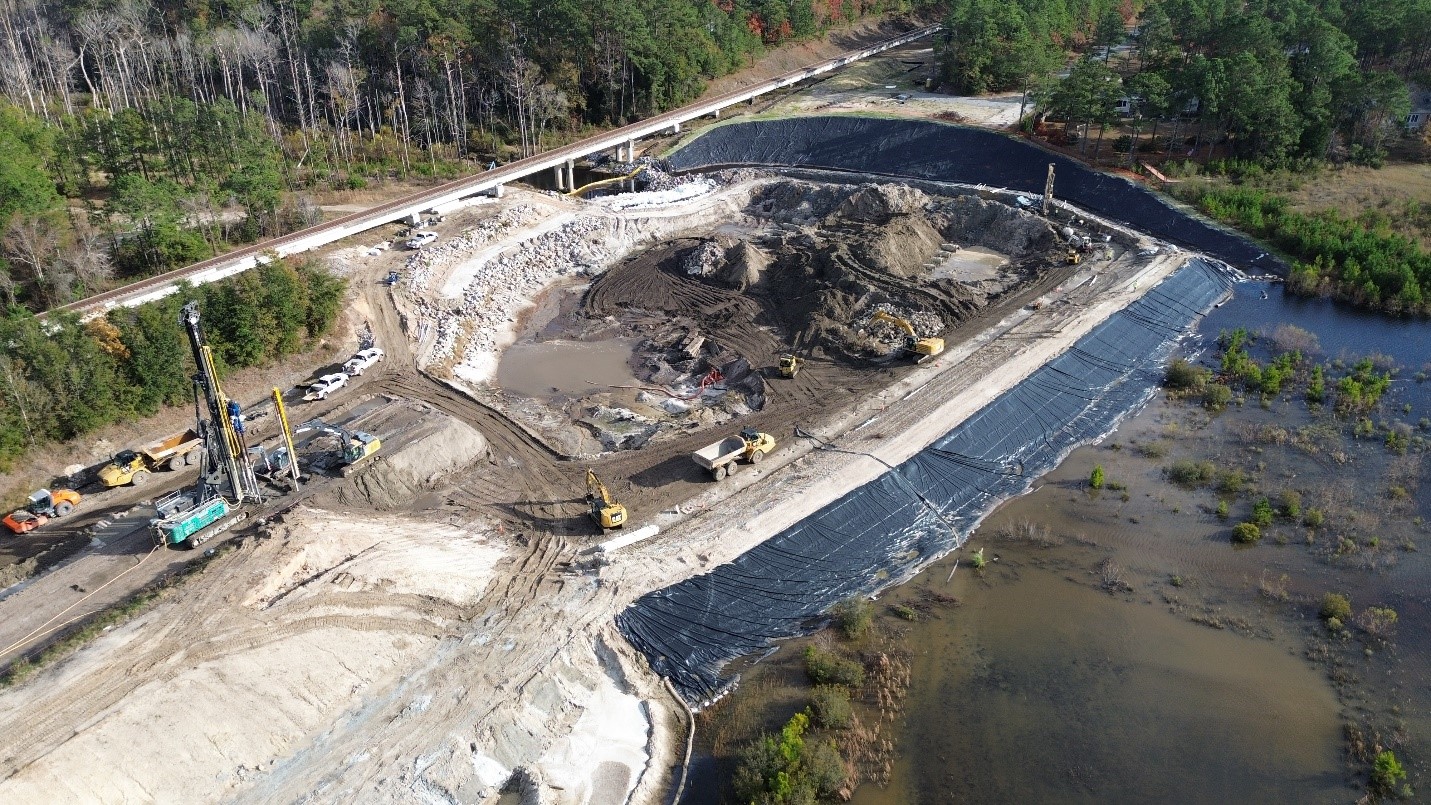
(325, 385)
(356, 364)
(421, 239)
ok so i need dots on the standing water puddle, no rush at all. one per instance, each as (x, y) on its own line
(971, 265)
(548, 368)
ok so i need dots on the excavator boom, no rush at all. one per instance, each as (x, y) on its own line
(922, 348)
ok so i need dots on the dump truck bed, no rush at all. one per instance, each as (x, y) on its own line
(179, 442)
(713, 455)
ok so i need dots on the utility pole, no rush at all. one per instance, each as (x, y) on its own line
(1048, 191)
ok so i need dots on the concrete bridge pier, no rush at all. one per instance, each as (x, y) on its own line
(560, 177)
(414, 218)
(570, 174)
(630, 150)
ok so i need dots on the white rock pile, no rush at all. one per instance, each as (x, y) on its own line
(421, 265)
(502, 286)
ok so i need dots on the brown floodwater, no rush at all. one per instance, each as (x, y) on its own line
(1043, 687)
(547, 368)
(1191, 682)
(1205, 674)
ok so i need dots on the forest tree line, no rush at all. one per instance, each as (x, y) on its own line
(137, 137)
(1277, 82)
(61, 378)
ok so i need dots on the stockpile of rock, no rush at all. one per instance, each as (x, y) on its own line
(502, 286)
(421, 265)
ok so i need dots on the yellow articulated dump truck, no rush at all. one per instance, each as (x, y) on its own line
(720, 458)
(135, 466)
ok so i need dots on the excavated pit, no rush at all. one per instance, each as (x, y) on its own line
(701, 321)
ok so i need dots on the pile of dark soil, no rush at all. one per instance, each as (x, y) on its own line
(836, 253)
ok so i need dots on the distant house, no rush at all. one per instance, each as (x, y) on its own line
(1126, 105)
(1420, 109)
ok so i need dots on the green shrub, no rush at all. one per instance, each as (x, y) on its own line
(1185, 376)
(1222, 510)
(1291, 504)
(1262, 513)
(1386, 772)
(853, 617)
(1246, 533)
(904, 613)
(1095, 479)
(1189, 473)
(1153, 449)
(1231, 482)
(1216, 397)
(1335, 605)
(830, 705)
(1314, 518)
(825, 668)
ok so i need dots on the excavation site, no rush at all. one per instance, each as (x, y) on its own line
(688, 333)
(593, 454)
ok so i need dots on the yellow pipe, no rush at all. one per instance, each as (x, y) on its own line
(605, 182)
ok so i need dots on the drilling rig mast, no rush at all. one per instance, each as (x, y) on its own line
(226, 478)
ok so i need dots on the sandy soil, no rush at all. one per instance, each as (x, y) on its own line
(895, 84)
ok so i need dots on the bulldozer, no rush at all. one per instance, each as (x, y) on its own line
(43, 506)
(604, 509)
(1074, 257)
(790, 365)
(921, 348)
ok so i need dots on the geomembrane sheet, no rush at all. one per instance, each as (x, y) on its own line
(924, 507)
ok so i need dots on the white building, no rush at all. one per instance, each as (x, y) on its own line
(1420, 108)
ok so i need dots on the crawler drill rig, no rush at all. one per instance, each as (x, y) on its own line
(226, 478)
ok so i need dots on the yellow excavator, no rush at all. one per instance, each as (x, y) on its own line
(921, 348)
(790, 364)
(604, 509)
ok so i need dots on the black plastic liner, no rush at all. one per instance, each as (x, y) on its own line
(883, 532)
(942, 152)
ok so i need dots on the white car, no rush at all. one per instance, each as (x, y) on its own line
(421, 239)
(356, 364)
(327, 384)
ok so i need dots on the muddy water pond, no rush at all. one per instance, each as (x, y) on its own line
(559, 367)
(971, 265)
(1044, 687)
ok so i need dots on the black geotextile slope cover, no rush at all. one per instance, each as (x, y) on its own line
(884, 531)
(947, 153)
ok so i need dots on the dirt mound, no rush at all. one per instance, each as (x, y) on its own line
(878, 203)
(973, 221)
(419, 464)
(903, 246)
